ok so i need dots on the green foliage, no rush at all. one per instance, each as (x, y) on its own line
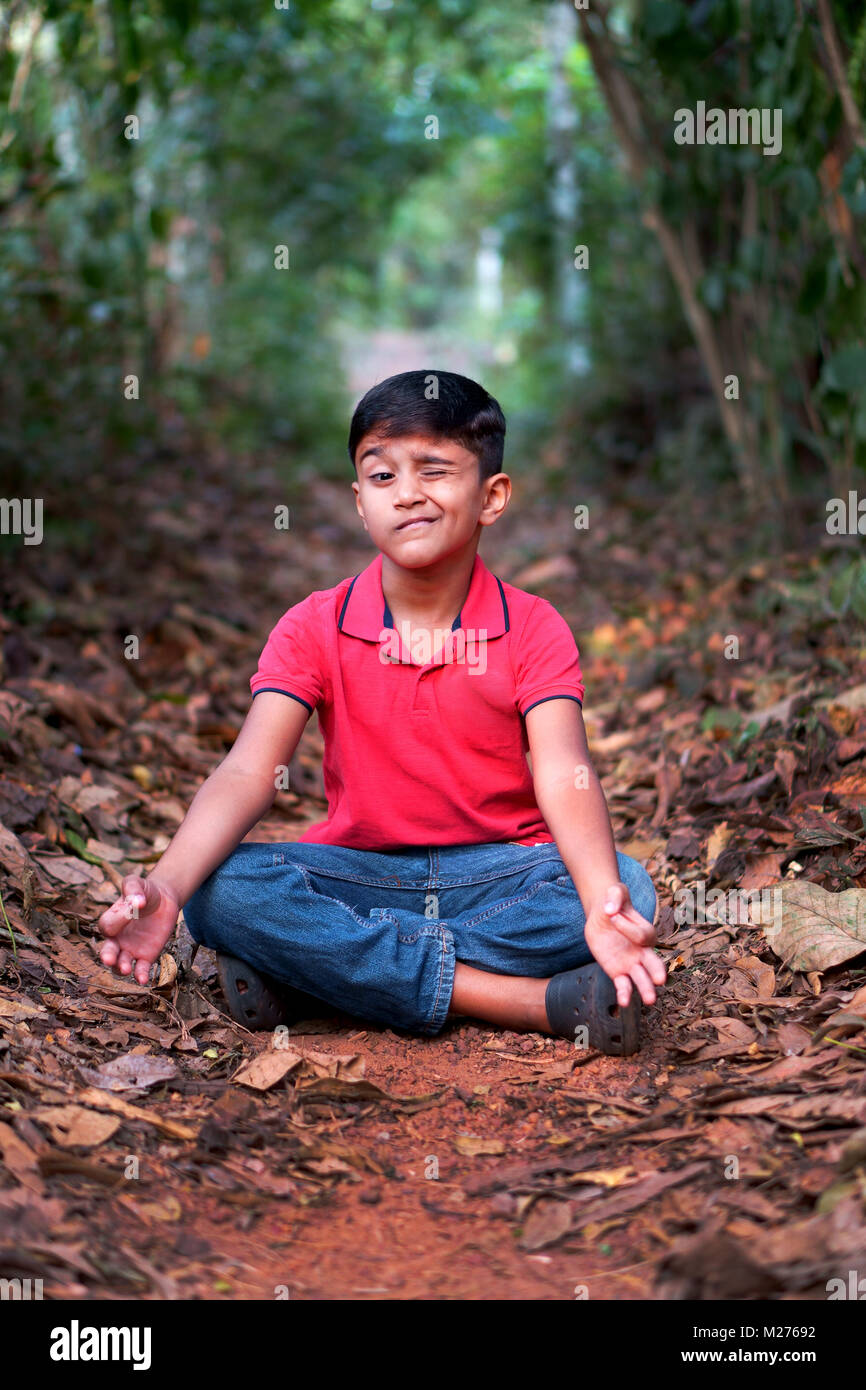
(304, 128)
(848, 590)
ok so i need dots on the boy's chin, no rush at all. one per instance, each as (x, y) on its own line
(412, 554)
(413, 559)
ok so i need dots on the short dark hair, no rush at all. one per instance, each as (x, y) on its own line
(442, 405)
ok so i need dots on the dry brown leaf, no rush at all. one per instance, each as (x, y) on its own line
(106, 1100)
(342, 1088)
(350, 1066)
(759, 974)
(643, 847)
(167, 971)
(15, 858)
(607, 1177)
(166, 1208)
(785, 764)
(792, 1039)
(733, 1030)
(20, 1159)
(16, 1009)
(65, 868)
(72, 1126)
(471, 1145)
(717, 842)
(267, 1068)
(80, 961)
(817, 929)
(547, 1222)
(762, 871)
(131, 1072)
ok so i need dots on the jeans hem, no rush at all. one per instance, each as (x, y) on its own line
(437, 1016)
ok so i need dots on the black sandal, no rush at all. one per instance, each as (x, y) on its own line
(588, 997)
(260, 1002)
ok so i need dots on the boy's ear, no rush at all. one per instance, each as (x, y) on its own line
(357, 492)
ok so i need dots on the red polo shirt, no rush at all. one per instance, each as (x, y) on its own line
(422, 752)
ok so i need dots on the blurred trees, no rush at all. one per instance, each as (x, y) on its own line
(764, 244)
(154, 159)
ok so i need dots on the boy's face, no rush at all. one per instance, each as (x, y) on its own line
(421, 498)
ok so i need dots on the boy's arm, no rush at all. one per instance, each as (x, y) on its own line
(226, 806)
(571, 800)
(236, 794)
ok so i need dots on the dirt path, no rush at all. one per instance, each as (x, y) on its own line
(141, 1155)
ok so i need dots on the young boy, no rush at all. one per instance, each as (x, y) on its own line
(448, 879)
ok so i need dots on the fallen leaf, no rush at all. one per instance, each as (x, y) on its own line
(16, 1009)
(339, 1088)
(471, 1145)
(20, 1159)
(105, 1100)
(606, 1177)
(67, 869)
(267, 1068)
(761, 872)
(167, 971)
(733, 1030)
(811, 929)
(792, 1039)
(547, 1222)
(166, 1208)
(131, 1072)
(785, 765)
(716, 843)
(15, 858)
(73, 1126)
(80, 962)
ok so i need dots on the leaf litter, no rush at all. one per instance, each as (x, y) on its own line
(726, 1159)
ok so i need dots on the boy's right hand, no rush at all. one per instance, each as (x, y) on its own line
(138, 926)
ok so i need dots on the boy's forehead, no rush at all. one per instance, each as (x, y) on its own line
(415, 445)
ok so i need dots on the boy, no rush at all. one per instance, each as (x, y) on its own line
(447, 880)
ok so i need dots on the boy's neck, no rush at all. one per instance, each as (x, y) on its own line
(431, 596)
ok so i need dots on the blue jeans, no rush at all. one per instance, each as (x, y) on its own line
(377, 935)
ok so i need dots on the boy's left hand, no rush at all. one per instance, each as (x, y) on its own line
(621, 941)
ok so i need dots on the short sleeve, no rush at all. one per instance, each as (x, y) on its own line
(291, 660)
(547, 661)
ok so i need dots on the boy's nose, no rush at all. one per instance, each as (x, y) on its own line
(409, 492)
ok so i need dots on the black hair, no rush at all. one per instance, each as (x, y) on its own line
(442, 405)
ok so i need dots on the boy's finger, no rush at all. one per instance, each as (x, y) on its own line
(109, 952)
(623, 990)
(655, 967)
(142, 971)
(613, 899)
(114, 918)
(643, 983)
(635, 927)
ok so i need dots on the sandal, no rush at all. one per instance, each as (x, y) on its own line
(257, 1000)
(588, 996)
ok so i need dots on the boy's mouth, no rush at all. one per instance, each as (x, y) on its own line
(416, 523)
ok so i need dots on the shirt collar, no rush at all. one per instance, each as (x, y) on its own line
(365, 612)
